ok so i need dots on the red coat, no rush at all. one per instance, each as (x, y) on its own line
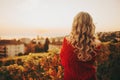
(74, 69)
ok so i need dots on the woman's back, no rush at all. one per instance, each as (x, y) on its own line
(73, 68)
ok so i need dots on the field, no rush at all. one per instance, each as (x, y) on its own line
(46, 66)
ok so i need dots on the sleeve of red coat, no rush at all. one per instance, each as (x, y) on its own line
(62, 53)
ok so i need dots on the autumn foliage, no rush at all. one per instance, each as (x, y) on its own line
(33, 67)
(47, 66)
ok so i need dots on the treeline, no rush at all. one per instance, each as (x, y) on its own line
(109, 36)
(36, 47)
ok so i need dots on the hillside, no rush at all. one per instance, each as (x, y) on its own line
(47, 66)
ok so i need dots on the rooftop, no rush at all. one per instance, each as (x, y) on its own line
(10, 42)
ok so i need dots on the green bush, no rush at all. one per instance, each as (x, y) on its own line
(110, 70)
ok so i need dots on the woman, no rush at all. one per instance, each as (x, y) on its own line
(79, 49)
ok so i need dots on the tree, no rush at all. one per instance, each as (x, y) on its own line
(46, 44)
(5, 51)
(38, 47)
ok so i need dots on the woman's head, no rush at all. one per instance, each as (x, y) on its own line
(82, 35)
(83, 24)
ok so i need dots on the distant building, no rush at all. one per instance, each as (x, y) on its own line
(11, 47)
(39, 40)
(25, 40)
(56, 40)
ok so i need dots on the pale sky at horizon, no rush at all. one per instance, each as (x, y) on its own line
(19, 18)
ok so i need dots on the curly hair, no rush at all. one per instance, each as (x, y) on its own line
(82, 36)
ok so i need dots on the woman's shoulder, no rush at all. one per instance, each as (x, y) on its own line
(66, 39)
(67, 43)
(97, 43)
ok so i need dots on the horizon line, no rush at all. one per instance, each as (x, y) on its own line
(32, 36)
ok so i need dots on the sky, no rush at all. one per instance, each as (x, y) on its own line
(29, 18)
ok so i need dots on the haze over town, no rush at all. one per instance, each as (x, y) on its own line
(29, 18)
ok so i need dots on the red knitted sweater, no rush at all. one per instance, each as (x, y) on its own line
(74, 69)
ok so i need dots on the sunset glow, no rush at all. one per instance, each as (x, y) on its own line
(29, 18)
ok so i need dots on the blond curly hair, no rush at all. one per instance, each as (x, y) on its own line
(82, 36)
